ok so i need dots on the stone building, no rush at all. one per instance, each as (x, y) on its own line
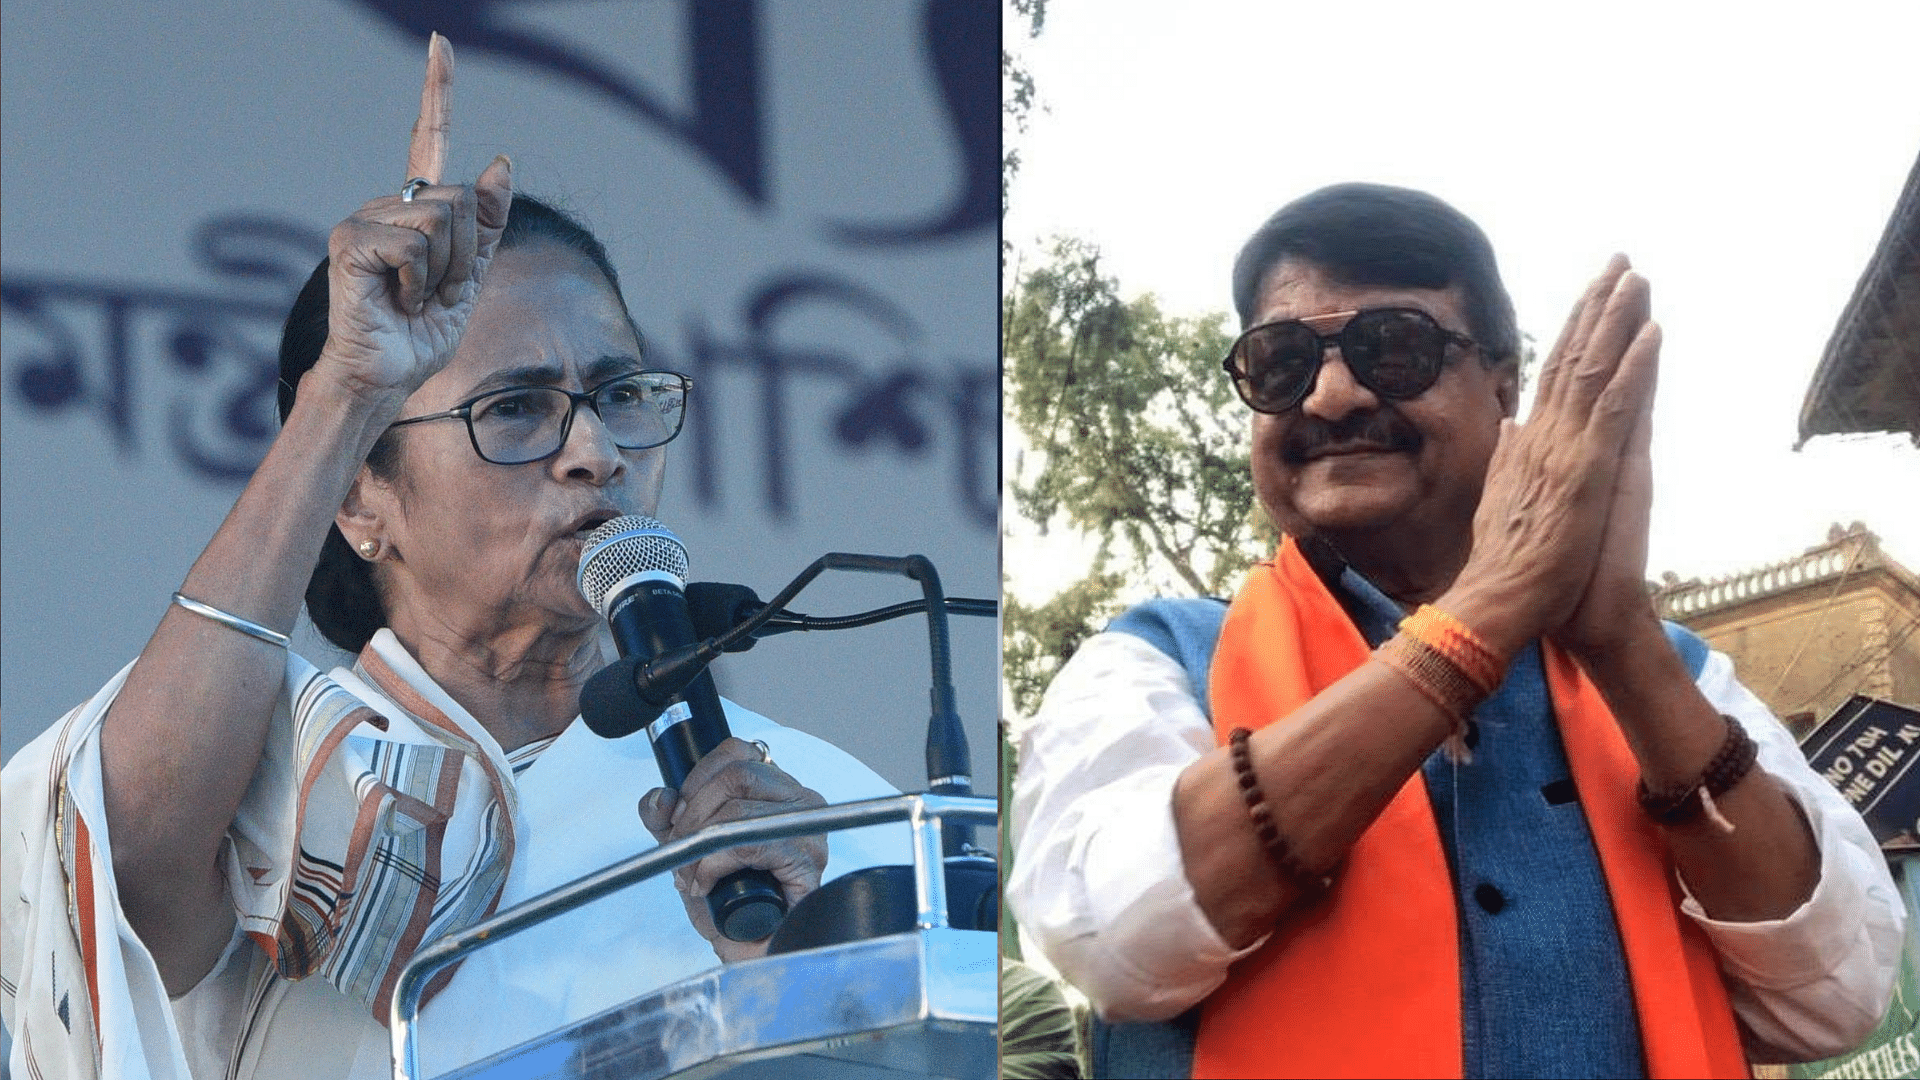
(1808, 632)
(1841, 618)
(1868, 379)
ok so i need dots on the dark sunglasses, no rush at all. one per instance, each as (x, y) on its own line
(1395, 352)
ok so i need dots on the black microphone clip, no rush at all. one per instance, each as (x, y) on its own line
(631, 693)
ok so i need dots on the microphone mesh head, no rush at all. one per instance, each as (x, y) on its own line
(624, 547)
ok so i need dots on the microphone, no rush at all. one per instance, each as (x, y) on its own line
(633, 572)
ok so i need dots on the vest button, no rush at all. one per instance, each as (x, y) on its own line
(1490, 899)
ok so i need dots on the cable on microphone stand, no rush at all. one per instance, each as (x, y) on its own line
(792, 620)
(949, 760)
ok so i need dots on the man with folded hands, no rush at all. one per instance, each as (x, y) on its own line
(1438, 794)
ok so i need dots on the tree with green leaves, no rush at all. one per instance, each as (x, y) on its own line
(1133, 440)
(1017, 99)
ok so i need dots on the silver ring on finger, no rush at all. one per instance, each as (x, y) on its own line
(408, 189)
(766, 752)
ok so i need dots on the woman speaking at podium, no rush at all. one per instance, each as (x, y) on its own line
(219, 865)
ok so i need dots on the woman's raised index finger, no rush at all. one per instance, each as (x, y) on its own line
(427, 156)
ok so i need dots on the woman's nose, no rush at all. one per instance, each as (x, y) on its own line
(589, 452)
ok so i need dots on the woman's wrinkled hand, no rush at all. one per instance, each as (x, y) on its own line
(1561, 513)
(732, 783)
(404, 274)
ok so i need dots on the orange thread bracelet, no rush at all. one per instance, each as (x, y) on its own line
(1457, 642)
(1449, 664)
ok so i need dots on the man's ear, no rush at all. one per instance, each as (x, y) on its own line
(1506, 387)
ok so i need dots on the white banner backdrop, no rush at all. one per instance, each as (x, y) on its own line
(802, 199)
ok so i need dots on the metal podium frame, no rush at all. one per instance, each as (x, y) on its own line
(924, 814)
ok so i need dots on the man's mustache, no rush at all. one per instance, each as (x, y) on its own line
(1380, 429)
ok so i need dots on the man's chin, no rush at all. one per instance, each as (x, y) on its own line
(1332, 510)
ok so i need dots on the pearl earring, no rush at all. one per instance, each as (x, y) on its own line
(369, 548)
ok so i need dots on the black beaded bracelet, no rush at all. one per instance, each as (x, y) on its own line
(1730, 765)
(1278, 850)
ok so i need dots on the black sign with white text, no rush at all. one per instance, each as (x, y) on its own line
(1867, 750)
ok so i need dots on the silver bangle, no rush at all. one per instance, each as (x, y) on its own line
(231, 621)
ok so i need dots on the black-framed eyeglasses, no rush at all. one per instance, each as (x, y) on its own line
(523, 424)
(1396, 352)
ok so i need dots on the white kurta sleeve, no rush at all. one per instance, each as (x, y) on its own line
(82, 996)
(1098, 882)
(87, 998)
(1815, 983)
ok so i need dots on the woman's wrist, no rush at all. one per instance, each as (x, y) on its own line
(350, 404)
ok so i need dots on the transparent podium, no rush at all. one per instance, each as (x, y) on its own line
(922, 1002)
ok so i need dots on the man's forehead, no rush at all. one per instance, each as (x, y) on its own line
(1330, 321)
(1302, 291)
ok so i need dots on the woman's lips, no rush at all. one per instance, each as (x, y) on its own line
(592, 520)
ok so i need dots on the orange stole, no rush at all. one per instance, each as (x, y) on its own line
(1366, 981)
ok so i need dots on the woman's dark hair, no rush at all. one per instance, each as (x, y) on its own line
(341, 597)
(1375, 235)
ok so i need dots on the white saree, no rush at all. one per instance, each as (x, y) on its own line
(382, 816)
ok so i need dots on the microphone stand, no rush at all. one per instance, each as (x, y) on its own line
(949, 760)
(949, 763)
(875, 900)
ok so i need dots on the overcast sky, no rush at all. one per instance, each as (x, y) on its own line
(1747, 167)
